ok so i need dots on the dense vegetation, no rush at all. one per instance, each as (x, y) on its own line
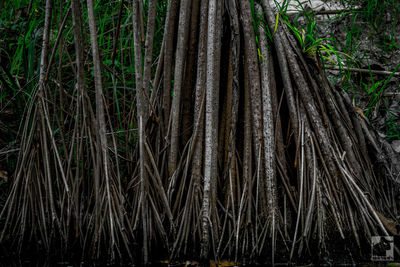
(203, 129)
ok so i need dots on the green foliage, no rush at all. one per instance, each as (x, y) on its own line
(307, 35)
(21, 28)
(392, 128)
(379, 18)
(376, 90)
(22, 33)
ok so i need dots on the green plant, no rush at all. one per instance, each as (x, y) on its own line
(392, 128)
(308, 36)
(376, 90)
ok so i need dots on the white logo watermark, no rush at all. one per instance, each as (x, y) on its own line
(382, 248)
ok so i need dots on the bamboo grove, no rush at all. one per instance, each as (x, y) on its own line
(205, 134)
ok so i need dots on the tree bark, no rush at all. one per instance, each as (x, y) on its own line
(211, 117)
(101, 146)
(183, 35)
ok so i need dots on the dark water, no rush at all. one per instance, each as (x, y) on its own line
(47, 263)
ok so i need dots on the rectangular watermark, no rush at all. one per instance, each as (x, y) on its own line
(382, 248)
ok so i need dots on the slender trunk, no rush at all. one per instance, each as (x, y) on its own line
(283, 65)
(189, 80)
(41, 123)
(253, 72)
(76, 20)
(143, 191)
(211, 122)
(268, 131)
(183, 35)
(197, 161)
(101, 146)
(141, 109)
(247, 149)
(148, 59)
(168, 59)
(200, 95)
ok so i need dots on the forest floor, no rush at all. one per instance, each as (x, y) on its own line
(363, 40)
(366, 42)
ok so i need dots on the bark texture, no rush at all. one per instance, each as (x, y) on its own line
(223, 141)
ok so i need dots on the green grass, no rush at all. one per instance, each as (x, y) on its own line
(20, 47)
(392, 129)
(380, 19)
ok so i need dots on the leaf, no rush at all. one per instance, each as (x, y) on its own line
(276, 22)
(259, 54)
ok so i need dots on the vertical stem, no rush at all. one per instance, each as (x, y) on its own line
(268, 130)
(141, 113)
(148, 55)
(211, 134)
(169, 49)
(102, 154)
(143, 192)
(183, 35)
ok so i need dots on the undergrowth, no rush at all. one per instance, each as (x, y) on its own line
(376, 20)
